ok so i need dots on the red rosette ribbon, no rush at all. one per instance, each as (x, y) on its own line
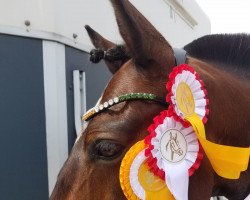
(184, 74)
(173, 152)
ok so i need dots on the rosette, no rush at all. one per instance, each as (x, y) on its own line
(174, 150)
(186, 93)
(137, 182)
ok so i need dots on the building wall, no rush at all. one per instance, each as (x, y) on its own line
(171, 17)
(23, 165)
(179, 21)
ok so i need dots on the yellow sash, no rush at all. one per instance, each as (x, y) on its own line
(227, 161)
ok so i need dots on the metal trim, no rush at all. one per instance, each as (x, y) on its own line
(55, 108)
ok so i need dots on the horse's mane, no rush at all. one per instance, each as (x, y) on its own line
(230, 50)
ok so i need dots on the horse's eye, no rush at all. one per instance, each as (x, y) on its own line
(106, 149)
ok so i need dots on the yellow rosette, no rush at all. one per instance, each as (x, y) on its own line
(137, 182)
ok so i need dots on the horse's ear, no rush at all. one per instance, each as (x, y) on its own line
(145, 43)
(102, 46)
(97, 40)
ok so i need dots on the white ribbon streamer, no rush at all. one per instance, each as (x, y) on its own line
(177, 180)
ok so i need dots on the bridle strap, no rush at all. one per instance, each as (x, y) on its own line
(180, 56)
(126, 97)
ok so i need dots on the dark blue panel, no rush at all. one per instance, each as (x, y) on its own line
(23, 166)
(97, 76)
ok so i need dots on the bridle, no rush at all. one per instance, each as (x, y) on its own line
(180, 57)
(126, 97)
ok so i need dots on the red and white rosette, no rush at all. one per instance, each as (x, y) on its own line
(173, 152)
(184, 78)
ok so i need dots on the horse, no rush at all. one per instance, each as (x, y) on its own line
(142, 65)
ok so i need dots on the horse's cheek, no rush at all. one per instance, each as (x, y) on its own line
(101, 181)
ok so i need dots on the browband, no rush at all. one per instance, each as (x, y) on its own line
(126, 97)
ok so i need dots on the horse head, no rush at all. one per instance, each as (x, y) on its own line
(92, 169)
(174, 145)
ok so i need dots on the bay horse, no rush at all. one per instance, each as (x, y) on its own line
(142, 65)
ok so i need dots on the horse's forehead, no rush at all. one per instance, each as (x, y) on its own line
(131, 79)
(116, 86)
(126, 75)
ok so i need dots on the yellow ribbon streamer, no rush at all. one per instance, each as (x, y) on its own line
(227, 161)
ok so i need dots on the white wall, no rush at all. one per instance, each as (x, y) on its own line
(176, 30)
(65, 17)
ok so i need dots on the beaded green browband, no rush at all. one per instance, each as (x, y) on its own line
(126, 97)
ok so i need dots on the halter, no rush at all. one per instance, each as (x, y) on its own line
(180, 57)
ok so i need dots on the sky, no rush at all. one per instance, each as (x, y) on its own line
(227, 16)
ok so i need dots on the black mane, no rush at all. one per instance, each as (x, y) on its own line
(231, 50)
